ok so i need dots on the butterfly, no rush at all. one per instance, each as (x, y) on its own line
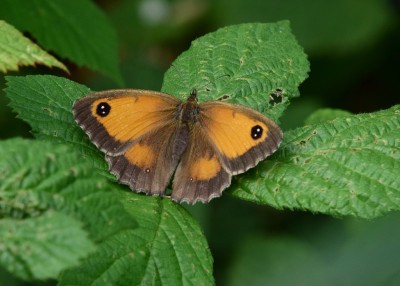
(148, 136)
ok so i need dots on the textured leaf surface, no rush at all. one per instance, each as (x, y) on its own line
(45, 102)
(40, 247)
(245, 63)
(76, 30)
(348, 166)
(37, 176)
(17, 50)
(167, 248)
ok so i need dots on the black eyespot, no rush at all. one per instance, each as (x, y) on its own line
(256, 132)
(103, 109)
(147, 170)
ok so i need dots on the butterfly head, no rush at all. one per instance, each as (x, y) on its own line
(193, 96)
(189, 110)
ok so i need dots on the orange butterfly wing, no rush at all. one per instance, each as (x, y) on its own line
(137, 130)
(228, 139)
(115, 118)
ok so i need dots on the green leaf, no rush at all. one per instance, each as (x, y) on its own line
(76, 30)
(36, 176)
(320, 26)
(247, 63)
(325, 114)
(168, 248)
(45, 102)
(280, 261)
(41, 247)
(348, 166)
(17, 50)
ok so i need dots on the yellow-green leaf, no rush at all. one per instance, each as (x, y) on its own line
(16, 50)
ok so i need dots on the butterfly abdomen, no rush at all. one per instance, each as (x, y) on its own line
(180, 142)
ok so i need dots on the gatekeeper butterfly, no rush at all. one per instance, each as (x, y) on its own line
(147, 136)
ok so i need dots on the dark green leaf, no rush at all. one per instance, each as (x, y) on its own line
(76, 30)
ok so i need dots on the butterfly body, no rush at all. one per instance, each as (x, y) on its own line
(148, 136)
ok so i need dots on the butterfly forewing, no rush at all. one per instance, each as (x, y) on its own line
(136, 129)
(114, 119)
(241, 136)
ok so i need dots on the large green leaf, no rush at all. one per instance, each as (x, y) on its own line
(37, 175)
(348, 166)
(41, 247)
(167, 248)
(76, 30)
(17, 50)
(244, 63)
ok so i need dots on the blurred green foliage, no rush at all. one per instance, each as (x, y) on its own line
(353, 47)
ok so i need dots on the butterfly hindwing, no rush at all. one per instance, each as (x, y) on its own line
(148, 164)
(200, 176)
